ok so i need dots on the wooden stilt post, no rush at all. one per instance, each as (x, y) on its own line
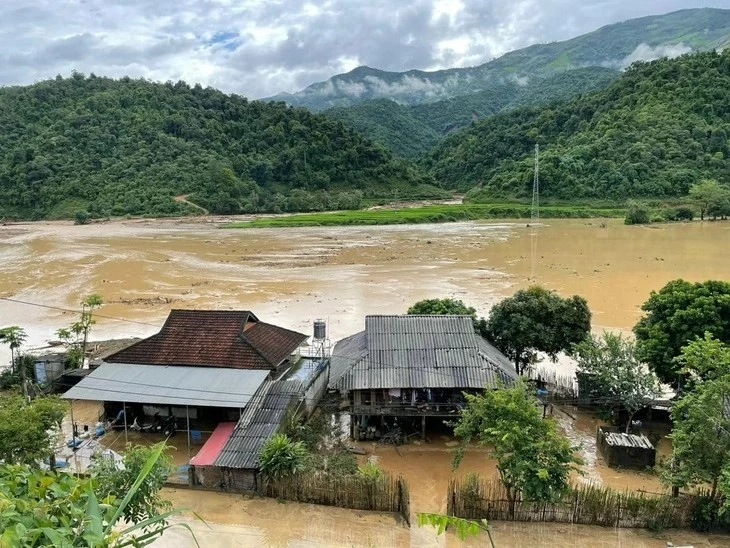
(423, 427)
(187, 416)
(124, 410)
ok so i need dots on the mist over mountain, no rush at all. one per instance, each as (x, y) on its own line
(613, 46)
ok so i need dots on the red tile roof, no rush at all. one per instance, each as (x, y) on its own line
(214, 338)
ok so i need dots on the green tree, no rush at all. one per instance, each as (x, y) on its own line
(704, 359)
(708, 195)
(43, 508)
(616, 376)
(637, 213)
(27, 430)
(280, 457)
(537, 320)
(77, 335)
(112, 479)
(701, 435)
(534, 458)
(446, 307)
(14, 336)
(676, 315)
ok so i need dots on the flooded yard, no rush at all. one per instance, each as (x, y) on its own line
(293, 276)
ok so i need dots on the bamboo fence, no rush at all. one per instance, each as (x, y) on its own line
(383, 494)
(586, 504)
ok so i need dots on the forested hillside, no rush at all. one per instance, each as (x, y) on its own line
(412, 130)
(116, 147)
(659, 128)
(615, 46)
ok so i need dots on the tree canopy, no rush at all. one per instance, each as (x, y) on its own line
(676, 315)
(449, 306)
(657, 130)
(116, 147)
(26, 429)
(711, 198)
(534, 458)
(701, 435)
(616, 377)
(537, 320)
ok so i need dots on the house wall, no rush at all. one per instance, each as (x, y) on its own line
(316, 389)
(238, 479)
(207, 476)
(421, 401)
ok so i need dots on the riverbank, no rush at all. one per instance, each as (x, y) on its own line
(442, 213)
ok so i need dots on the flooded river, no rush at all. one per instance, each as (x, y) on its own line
(293, 276)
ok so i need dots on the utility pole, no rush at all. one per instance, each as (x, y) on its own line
(535, 211)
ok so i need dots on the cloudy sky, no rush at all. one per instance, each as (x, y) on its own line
(260, 47)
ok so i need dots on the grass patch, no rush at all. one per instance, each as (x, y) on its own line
(428, 214)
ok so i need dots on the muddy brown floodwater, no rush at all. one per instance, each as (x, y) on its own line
(293, 276)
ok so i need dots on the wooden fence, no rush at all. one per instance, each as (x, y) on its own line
(384, 494)
(589, 505)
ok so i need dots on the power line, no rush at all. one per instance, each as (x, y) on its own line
(96, 315)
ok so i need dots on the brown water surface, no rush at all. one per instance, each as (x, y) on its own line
(293, 276)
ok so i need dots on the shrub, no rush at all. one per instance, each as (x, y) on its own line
(280, 457)
(637, 214)
(371, 470)
(81, 217)
(684, 214)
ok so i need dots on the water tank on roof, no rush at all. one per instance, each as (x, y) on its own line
(320, 329)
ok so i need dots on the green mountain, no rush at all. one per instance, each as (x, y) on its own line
(116, 147)
(614, 46)
(659, 128)
(412, 130)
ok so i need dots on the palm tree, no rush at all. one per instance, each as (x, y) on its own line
(13, 336)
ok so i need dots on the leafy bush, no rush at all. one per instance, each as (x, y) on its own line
(684, 214)
(637, 214)
(371, 470)
(81, 217)
(112, 480)
(280, 457)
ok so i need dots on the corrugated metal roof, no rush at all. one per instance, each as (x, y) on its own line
(169, 385)
(260, 420)
(415, 351)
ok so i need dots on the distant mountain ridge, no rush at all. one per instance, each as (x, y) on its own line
(613, 46)
(410, 130)
(654, 132)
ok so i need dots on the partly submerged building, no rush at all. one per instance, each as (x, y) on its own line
(403, 370)
(204, 367)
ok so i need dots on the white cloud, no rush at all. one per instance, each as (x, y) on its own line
(644, 52)
(260, 47)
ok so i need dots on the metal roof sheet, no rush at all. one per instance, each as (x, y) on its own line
(415, 351)
(169, 385)
(260, 420)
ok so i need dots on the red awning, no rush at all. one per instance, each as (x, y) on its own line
(211, 449)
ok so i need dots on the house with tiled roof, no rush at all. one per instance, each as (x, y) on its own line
(205, 368)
